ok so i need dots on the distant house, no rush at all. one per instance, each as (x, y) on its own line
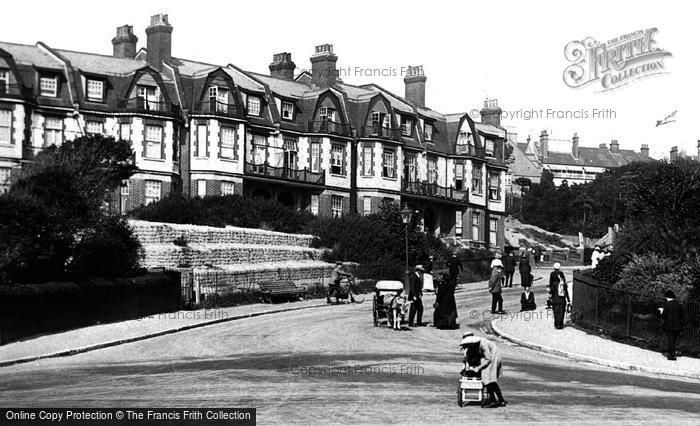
(568, 161)
(675, 154)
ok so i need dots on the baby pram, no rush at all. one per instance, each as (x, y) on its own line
(471, 388)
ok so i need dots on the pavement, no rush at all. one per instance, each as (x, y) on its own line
(536, 330)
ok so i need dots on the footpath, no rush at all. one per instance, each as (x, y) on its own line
(536, 330)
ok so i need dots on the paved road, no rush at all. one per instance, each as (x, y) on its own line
(331, 365)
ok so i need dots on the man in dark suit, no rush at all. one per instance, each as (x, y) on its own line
(455, 267)
(415, 295)
(674, 319)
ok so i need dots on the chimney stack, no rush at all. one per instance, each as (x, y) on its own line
(544, 144)
(491, 113)
(645, 150)
(614, 146)
(124, 43)
(674, 153)
(158, 41)
(574, 145)
(323, 71)
(282, 66)
(415, 85)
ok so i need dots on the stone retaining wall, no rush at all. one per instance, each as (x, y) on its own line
(166, 233)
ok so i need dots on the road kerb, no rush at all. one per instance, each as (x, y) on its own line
(89, 348)
(594, 360)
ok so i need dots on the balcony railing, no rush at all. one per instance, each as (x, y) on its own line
(13, 90)
(434, 190)
(286, 173)
(378, 131)
(139, 104)
(330, 127)
(213, 106)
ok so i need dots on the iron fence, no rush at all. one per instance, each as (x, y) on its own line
(628, 315)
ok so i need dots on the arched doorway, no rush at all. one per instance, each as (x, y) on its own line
(287, 199)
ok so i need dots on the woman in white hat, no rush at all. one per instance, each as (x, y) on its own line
(489, 365)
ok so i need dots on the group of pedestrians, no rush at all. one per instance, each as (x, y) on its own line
(502, 272)
(445, 314)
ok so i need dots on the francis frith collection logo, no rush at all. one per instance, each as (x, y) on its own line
(614, 63)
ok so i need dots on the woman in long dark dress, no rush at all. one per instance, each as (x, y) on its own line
(445, 315)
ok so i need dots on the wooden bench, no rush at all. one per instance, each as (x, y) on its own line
(272, 289)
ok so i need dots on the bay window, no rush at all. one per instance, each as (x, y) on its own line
(338, 154)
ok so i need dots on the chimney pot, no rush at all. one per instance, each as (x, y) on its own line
(544, 144)
(414, 83)
(602, 145)
(159, 41)
(674, 153)
(491, 113)
(282, 66)
(323, 66)
(645, 150)
(124, 43)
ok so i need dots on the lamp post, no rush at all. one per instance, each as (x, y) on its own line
(406, 215)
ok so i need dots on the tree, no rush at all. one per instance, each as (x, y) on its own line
(56, 203)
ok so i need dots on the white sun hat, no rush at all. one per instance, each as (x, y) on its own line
(470, 339)
(557, 265)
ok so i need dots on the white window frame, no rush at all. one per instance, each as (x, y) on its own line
(336, 206)
(152, 192)
(254, 106)
(389, 164)
(489, 147)
(432, 171)
(406, 126)
(202, 140)
(337, 160)
(475, 226)
(48, 86)
(94, 127)
(6, 125)
(428, 132)
(5, 76)
(92, 92)
(313, 205)
(376, 118)
(458, 222)
(315, 157)
(366, 205)
(477, 180)
(125, 130)
(325, 113)
(494, 190)
(201, 188)
(123, 195)
(5, 179)
(226, 144)
(367, 160)
(228, 188)
(459, 175)
(150, 95)
(54, 127)
(287, 110)
(412, 162)
(153, 147)
(493, 232)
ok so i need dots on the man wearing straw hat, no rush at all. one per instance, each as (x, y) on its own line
(415, 296)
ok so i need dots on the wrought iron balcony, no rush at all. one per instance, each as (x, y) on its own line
(286, 173)
(330, 127)
(215, 107)
(14, 90)
(379, 131)
(139, 104)
(434, 190)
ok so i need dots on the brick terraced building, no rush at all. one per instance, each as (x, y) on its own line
(309, 141)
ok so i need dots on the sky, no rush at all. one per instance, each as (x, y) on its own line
(512, 51)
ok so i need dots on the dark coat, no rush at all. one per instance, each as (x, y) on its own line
(673, 316)
(554, 279)
(527, 303)
(524, 265)
(415, 286)
(455, 266)
(509, 263)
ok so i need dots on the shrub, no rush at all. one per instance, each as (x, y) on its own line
(608, 270)
(651, 275)
(109, 250)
